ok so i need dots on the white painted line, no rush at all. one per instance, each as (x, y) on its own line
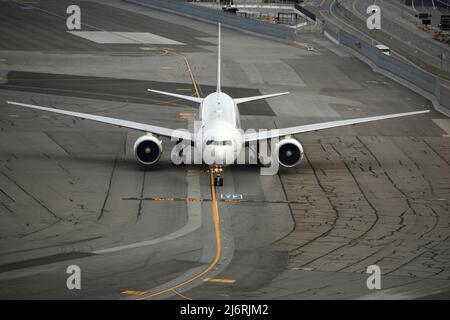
(194, 211)
(444, 124)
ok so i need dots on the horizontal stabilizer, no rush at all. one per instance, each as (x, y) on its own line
(190, 98)
(242, 100)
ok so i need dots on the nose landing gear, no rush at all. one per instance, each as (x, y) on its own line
(218, 179)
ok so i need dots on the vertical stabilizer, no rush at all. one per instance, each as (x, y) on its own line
(218, 62)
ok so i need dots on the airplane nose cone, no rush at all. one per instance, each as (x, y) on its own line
(221, 156)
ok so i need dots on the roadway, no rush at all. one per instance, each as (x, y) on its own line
(399, 31)
(72, 193)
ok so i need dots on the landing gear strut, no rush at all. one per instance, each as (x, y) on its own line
(218, 179)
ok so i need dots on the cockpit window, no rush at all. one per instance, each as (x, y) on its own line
(219, 143)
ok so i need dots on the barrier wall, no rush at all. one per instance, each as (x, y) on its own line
(214, 15)
(418, 77)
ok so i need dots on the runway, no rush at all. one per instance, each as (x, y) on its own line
(71, 192)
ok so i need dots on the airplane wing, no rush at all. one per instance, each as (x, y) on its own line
(320, 126)
(160, 131)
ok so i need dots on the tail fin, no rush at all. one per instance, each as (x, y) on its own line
(218, 61)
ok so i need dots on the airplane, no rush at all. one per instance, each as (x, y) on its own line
(220, 128)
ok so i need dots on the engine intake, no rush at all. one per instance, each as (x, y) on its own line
(147, 149)
(289, 152)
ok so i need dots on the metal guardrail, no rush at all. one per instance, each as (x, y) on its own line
(305, 12)
(431, 64)
(214, 15)
(411, 73)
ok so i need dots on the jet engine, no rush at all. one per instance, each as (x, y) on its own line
(289, 152)
(147, 149)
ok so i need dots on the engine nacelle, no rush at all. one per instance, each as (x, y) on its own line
(289, 152)
(147, 149)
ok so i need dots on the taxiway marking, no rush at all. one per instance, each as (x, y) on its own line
(216, 219)
(215, 211)
(189, 69)
(219, 280)
(132, 292)
(168, 68)
(188, 115)
(444, 124)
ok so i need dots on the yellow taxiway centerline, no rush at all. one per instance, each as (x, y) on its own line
(219, 280)
(189, 69)
(215, 211)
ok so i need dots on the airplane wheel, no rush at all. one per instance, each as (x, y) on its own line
(218, 181)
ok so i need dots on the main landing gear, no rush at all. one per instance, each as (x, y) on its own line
(218, 179)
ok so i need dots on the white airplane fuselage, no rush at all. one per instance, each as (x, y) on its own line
(220, 136)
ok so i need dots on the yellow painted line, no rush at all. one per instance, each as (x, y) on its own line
(197, 92)
(215, 212)
(44, 117)
(12, 116)
(168, 75)
(2, 60)
(194, 199)
(196, 171)
(181, 295)
(168, 68)
(132, 292)
(163, 199)
(219, 280)
(188, 115)
(295, 43)
(184, 89)
(321, 12)
(232, 201)
(322, 3)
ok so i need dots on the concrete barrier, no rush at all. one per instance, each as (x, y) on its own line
(211, 15)
(416, 76)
